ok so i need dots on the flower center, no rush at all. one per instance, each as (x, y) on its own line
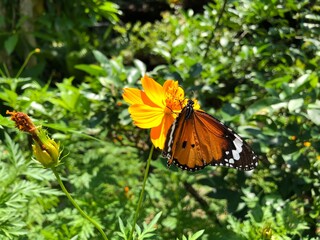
(174, 97)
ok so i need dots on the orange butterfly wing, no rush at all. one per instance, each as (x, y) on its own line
(196, 139)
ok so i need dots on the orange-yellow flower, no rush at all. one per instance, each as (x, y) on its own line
(155, 107)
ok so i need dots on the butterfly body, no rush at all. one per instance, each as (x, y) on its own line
(196, 139)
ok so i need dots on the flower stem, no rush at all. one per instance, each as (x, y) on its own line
(83, 214)
(141, 193)
(215, 28)
(37, 50)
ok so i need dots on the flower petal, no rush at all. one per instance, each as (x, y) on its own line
(158, 134)
(145, 116)
(154, 91)
(136, 96)
(132, 95)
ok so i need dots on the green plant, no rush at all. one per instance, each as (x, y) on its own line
(146, 233)
(260, 76)
(25, 194)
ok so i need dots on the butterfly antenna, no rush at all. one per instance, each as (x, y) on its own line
(169, 108)
(181, 102)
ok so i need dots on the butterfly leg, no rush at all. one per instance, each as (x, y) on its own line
(169, 162)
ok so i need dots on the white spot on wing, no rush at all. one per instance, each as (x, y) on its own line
(235, 154)
(238, 144)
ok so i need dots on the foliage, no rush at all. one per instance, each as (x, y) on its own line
(66, 32)
(25, 194)
(147, 232)
(260, 72)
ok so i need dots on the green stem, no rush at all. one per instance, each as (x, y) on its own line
(215, 28)
(6, 74)
(141, 193)
(83, 214)
(26, 61)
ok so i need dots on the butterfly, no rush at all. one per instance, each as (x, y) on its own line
(197, 139)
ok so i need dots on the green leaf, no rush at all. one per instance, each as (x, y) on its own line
(161, 48)
(93, 70)
(141, 66)
(196, 235)
(100, 57)
(154, 220)
(9, 96)
(301, 82)
(133, 76)
(10, 44)
(314, 115)
(295, 104)
(277, 82)
(6, 122)
(110, 11)
(109, 7)
(122, 228)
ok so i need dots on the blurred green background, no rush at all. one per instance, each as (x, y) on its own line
(252, 64)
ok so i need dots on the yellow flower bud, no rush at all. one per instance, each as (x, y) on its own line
(46, 150)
